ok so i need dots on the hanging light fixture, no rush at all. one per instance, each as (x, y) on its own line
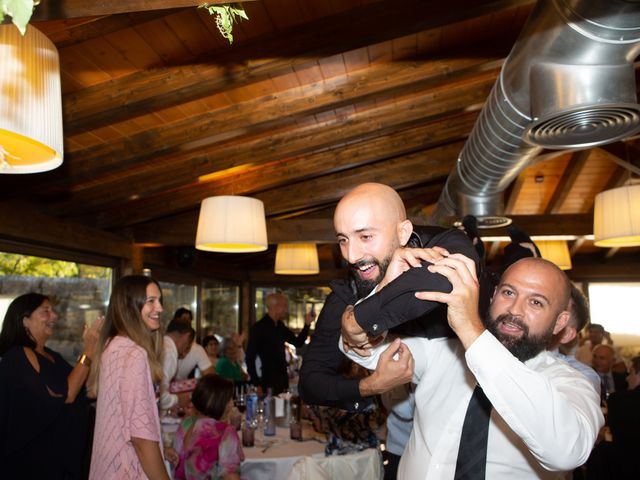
(297, 259)
(556, 251)
(30, 102)
(616, 217)
(231, 224)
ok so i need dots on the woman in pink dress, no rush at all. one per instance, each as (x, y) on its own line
(126, 443)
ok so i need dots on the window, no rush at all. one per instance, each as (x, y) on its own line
(301, 301)
(220, 308)
(177, 295)
(79, 293)
(615, 306)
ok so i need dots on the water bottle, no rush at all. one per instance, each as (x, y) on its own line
(269, 414)
(251, 401)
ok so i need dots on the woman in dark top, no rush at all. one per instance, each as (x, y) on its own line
(43, 415)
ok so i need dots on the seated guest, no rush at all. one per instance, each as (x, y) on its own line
(206, 445)
(228, 365)
(126, 443)
(43, 410)
(211, 345)
(196, 356)
(176, 344)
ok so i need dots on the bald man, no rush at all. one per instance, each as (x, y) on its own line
(542, 415)
(266, 340)
(371, 223)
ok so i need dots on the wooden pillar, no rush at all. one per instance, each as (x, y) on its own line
(246, 306)
(134, 264)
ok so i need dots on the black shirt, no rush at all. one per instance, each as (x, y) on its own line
(266, 340)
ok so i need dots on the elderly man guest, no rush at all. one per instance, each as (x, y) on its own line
(603, 361)
(543, 416)
(266, 341)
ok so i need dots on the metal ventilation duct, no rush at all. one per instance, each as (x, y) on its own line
(568, 82)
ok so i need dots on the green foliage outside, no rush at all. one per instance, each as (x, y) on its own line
(24, 265)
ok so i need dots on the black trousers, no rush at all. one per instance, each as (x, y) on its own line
(391, 462)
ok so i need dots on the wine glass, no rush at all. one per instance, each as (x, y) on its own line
(239, 399)
(240, 403)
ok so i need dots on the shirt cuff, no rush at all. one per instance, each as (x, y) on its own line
(487, 357)
(371, 310)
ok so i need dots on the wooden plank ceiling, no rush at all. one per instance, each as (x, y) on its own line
(312, 98)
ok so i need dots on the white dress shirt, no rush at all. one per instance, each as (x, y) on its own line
(169, 369)
(197, 357)
(545, 415)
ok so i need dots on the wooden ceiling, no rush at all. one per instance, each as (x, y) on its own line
(312, 98)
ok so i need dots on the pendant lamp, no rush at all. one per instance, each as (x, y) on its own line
(30, 102)
(616, 217)
(297, 259)
(556, 251)
(231, 224)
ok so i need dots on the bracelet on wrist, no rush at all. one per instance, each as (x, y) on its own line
(84, 360)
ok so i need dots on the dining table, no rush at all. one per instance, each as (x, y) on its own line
(278, 457)
(274, 457)
(281, 458)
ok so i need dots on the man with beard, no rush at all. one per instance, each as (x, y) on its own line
(371, 223)
(543, 415)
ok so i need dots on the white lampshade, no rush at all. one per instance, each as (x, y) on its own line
(30, 102)
(297, 259)
(616, 218)
(555, 251)
(232, 224)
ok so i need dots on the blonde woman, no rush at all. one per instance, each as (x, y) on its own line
(126, 442)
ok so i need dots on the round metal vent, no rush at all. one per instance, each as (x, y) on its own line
(585, 127)
(493, 221)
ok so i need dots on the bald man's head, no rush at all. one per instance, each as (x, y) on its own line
(529, 307)
(370, 223)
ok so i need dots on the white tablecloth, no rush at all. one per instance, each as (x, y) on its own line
(278, 460)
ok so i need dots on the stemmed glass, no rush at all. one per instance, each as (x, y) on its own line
(239, 399)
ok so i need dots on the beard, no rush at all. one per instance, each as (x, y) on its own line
(364, 287)
(525, 346)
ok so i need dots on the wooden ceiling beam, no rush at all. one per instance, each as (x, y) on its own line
(571, 173)
(179, 170)
(384, 83)
(281, 173)
(399, 172)
(61, 9)
(624, 154)
(513, 194)
(161, 88)
(26, 223)
(181, 229)
(65, 34)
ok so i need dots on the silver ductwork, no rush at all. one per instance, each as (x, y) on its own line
(569, 82)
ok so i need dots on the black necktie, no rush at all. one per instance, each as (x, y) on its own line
(472, 454)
